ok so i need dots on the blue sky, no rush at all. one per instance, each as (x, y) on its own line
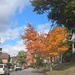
(14, 16)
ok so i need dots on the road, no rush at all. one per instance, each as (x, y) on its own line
(28, 71)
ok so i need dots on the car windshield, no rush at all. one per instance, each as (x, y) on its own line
(1, 66)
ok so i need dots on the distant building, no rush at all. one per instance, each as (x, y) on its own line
(4, 57)
(13, 60)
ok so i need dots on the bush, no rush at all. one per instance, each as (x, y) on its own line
(39, 61)
(68, 56)
(73, 56)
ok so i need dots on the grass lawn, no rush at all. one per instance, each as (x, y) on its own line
(63, 69)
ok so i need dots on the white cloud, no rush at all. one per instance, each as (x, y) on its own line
(44, 27)
(9, 8)
(13, 50)
(3, 28)
(10, 34)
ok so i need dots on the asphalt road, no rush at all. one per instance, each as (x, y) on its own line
(28, 71)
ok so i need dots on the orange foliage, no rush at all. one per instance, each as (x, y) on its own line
(33, 41)
(29, 34)
(55, 41)
(30, 59)
(46, 44)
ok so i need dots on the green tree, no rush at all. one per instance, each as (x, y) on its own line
(21, 57)
(68, 55)
(39, 61)
(60, 11)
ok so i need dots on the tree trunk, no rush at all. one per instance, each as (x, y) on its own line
(61, 54)
(50, 63)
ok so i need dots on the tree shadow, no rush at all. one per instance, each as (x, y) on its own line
(64, 66)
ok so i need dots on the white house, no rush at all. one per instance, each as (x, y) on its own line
(73, 42)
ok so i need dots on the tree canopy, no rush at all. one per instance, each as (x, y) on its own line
(60, 11)
(29, 58)
(45, 44)
(21, 57)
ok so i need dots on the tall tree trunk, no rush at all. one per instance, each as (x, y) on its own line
(61, 55)
(50, 63)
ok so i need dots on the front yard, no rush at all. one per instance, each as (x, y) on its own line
(62, 69)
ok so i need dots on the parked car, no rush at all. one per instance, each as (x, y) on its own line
(4, 69)
(18, 68)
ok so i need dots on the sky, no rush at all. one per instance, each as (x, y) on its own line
(14, 17)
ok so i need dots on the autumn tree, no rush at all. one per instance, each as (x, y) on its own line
(46, 45)
(56, 42)
(60, 11)
(30, 59)
(33, 40)
(30, 35)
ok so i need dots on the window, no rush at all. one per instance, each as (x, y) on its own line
(1, 66)
(74, 45)
(5, 66)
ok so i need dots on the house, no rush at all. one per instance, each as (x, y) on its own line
(4, 57)
(73, 42)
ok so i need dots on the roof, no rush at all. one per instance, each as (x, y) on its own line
(4, 56)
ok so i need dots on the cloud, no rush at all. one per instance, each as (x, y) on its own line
(9, 8)
(10, 34)
(43, 27)
(13, 50)
(3, 28)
